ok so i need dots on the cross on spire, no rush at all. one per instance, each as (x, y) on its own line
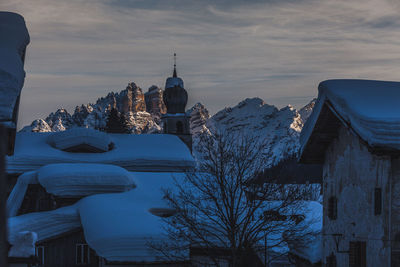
(175, 75)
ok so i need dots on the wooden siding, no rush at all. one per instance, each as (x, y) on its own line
(61, 251)
(325, 130)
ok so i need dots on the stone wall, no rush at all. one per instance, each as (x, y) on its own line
(351, 173)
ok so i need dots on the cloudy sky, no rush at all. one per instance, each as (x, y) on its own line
(278, 50)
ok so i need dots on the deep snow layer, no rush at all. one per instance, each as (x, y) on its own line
(74, 179)
(369, 107)
(71, 180)
(150, 152)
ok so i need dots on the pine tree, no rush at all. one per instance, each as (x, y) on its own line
(124, 123)
(116, 123)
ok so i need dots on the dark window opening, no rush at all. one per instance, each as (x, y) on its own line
(357, 254)
(82, 254)
(378, 200)
(396, 251)
(331, 260)
(179, 127)
(39, 253)
(332, 208)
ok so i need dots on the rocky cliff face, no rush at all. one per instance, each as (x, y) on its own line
(130, 101)
(154, 101)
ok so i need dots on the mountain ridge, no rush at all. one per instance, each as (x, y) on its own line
(280, 128)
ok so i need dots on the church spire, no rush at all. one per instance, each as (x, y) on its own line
(174, 75)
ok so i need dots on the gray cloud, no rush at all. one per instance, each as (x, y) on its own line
(227, 50)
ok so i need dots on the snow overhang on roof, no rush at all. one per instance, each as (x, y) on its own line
(174, 81)
(368, 108)
(144, 152)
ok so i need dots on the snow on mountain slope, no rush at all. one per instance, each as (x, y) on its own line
(279, 128)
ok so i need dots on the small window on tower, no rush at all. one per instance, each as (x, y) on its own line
(179, 127)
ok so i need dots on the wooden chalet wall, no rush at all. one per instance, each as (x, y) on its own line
(61, 251)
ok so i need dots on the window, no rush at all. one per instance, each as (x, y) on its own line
(378, 200)
(331, 260)
(179, 127)
(357, 254)
(396, 250)
(39, 252)
(332, 208)
(82, 254)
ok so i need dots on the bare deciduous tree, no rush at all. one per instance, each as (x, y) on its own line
(220, 214)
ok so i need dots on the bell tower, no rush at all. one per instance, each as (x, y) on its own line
(175, 98)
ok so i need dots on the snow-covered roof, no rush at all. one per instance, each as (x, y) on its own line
(117, 226)
(74, 179)
(14, 39)
(71, 180)
(120, 226)
(368, 108)
(146, 152)
(174, 81)
(71, 138)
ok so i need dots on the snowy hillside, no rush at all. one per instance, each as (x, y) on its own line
(280, 128)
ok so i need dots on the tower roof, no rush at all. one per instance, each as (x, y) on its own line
(175, 75)
(174, 80)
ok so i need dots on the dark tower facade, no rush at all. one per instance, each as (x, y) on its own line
(175, 98)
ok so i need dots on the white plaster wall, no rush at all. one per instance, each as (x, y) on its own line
(351, 173)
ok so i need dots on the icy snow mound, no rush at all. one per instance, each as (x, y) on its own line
(14, 39)
(84, 179)
(72, 138)
(369, 107)
(23, 245)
